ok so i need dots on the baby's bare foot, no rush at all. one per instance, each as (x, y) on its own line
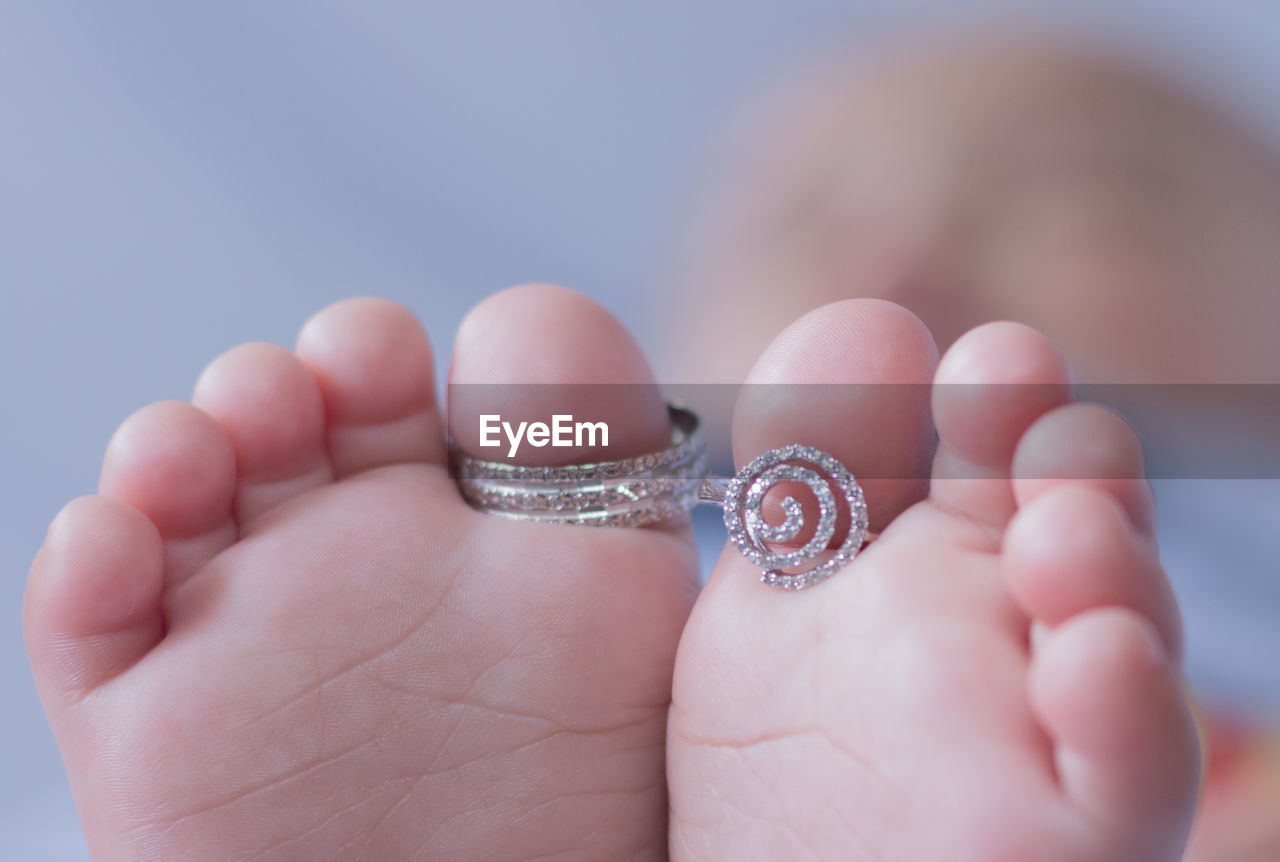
(903, 710)
(278, 633)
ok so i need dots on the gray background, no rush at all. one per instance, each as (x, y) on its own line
(176, 178)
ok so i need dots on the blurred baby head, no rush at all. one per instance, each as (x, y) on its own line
(997, 178)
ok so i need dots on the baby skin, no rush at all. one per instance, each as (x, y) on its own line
(277, 632)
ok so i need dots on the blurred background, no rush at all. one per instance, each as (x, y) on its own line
(178, 178)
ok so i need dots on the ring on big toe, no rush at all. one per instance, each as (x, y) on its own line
(647, 489)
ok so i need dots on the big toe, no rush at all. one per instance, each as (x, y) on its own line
(608, 602)
(850, 379)
(539, 350)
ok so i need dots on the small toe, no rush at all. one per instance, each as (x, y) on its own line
(373, 363)
(174, 463)
(270, 406)
(93, 597)
(1073, 549)
(1115, 709)
(992, 384)
(1085, 444)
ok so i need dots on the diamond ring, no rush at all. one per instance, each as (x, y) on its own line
(629, 492)
(648, 489)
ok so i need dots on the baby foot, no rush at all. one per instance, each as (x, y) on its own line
(903, 709)
(278, 633)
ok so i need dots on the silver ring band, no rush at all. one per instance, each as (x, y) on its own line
(629, 492)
